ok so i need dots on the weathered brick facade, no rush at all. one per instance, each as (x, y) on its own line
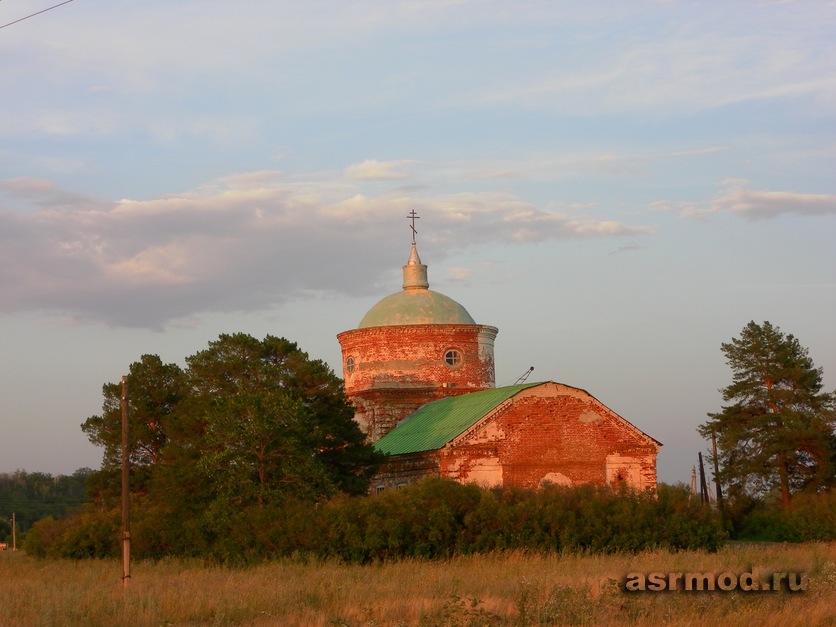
(549, 432)
(419, 346)
(396, 369)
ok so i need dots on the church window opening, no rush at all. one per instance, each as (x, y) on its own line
(452, 357)
(350, 365)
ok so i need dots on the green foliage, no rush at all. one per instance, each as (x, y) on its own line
(435, 518)
(155, 390)
(419, 521)
(249, 423)
(778, 431)
(439, 518)
(32, 496)
(811, 517)
(686, 524)
(265, 413)
(93, 533)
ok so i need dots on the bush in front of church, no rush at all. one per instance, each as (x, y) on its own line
(439, 518)
(432, 519)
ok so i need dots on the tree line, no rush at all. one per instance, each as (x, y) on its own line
(251, 451)
(434, 518)
(31, 496)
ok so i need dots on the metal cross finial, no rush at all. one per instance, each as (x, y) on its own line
(413, 216)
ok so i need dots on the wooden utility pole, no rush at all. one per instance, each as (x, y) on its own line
(14, 533)
(703, 486)
(716, 470)
(126, 518)
(693, 481)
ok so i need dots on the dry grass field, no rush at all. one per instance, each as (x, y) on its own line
(513, 589)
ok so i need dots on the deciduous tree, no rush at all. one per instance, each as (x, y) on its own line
(271, 422)
(154, 391)
(247, 426)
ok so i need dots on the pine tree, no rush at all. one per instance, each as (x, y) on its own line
(778, 431)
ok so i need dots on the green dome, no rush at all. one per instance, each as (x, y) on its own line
(416, 307)
(416, 304)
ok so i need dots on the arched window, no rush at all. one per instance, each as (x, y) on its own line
(350, 365)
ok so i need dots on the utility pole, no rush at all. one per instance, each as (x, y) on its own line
(703, 486)
(716, 471)
(693, 481)
(126, 519)
(14, 533)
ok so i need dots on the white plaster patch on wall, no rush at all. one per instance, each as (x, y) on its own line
(486, 472)
(620, 468)
(552, 389)
(490, 432)
(558, 478)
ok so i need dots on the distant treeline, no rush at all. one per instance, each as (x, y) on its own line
(436, 518)
(31, 496)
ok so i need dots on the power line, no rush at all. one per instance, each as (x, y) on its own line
(5, 502)
(38, 13)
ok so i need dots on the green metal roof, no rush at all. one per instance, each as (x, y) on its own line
(416, 307)
(435, 424)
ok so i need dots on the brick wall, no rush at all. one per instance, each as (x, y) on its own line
(548, 433)
(405, 469)
(396, 369)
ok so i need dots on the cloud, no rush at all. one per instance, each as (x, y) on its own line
(26, 186)
(40, 193)
(565, 58)
(243, 242)
(549, 166)
(737, 199)
(696, 152)
(371, 169)
(756, 205)
(677, 59)
(626, 248)
(459, 274)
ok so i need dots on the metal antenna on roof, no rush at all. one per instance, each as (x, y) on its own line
(524, 376)
(413, 216)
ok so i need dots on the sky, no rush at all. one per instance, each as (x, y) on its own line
(620, 187)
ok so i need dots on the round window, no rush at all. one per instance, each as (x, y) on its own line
(452, 357)
(350, 365)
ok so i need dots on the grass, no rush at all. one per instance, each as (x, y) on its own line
(510, 589)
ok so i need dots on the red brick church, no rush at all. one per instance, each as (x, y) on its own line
(420, 372)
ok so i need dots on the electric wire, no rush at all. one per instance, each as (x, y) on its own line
(38, 13)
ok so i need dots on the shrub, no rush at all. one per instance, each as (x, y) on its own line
(434, 518)
(810, 517)
(92, 533)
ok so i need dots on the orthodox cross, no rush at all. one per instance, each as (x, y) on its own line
(413, 216)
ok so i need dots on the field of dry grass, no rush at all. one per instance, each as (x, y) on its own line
(513, 589)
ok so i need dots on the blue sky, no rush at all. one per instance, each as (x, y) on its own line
(618, 186)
